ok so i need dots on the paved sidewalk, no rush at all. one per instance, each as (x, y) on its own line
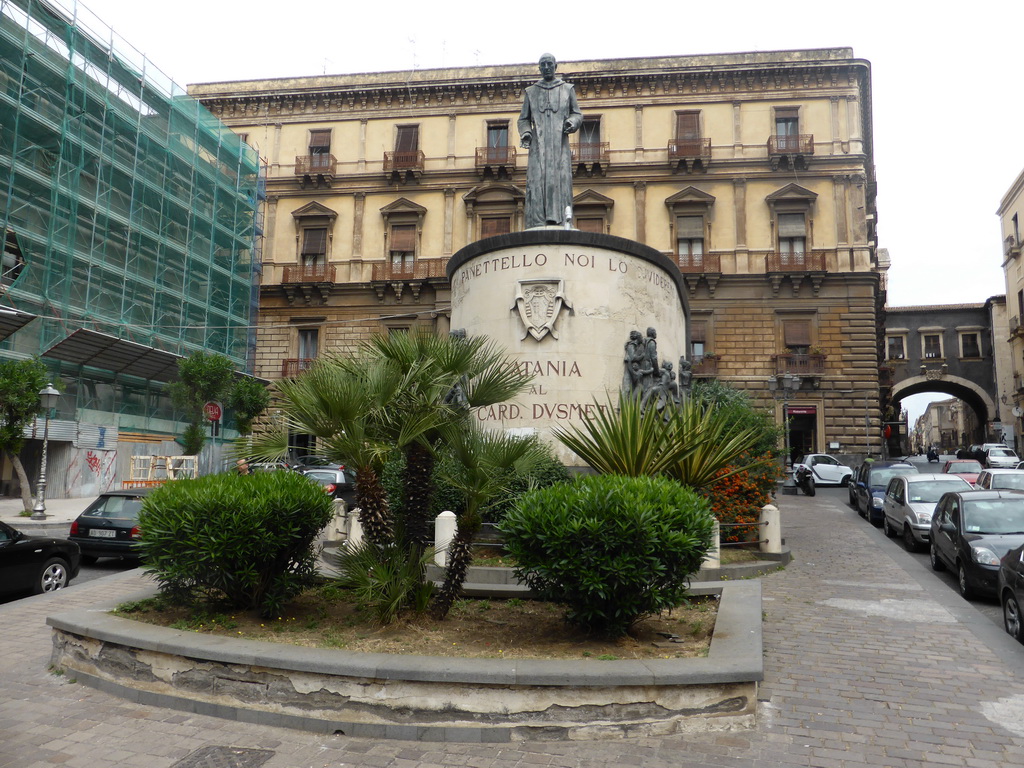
(868, 663)
(59, 514)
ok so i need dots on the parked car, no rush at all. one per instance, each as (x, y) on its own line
(1000, 479)
(268, 466)
(35, 564)
(826, 470)
(109, 527)
(909, 502)
(871, 483)
(1011, 591)
(968, 469)
(340, 483)
(312, 461)
(1000, 456)
(971, 531)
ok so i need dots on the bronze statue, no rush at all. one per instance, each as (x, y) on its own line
(550, 113)
(631, 360)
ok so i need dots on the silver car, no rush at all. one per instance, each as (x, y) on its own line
(1000, 479)
(1000, 457)
(909, 502)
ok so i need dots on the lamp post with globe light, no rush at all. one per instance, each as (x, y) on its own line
(782, 386)
(48, 400)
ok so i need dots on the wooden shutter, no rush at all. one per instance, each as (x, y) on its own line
(792, 225)
(314, 242)
(495, 225)
(408, 138)
(319, 140)
(687, 126)
(797, 333)
(403, 238)
(698, 332)
(689, 227)
(590, 224)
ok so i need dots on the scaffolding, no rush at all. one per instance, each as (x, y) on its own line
(126, 207)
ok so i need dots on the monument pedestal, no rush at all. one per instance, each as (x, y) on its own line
(562, 303)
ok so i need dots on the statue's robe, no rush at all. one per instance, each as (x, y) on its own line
(546, 108)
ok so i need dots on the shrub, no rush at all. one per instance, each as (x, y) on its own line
(246, 539)
(387, 579)
(738, 498)
(612, 549)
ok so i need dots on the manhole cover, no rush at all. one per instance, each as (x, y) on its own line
(225, 757)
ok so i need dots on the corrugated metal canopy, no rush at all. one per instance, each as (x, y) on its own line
(12, 320)
(100, 350)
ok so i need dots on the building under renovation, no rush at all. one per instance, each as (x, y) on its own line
(128, 215)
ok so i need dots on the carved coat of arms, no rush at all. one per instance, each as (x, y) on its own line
(539, 303)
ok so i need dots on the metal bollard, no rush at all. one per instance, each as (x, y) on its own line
(713, 558)
(444, 532)
(771, 523)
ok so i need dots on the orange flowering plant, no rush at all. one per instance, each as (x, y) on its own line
(736, 499)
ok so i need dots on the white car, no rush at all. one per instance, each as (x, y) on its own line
(1000, 457)
(827, 470)
(909, 502)
(1000, 480)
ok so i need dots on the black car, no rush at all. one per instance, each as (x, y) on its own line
(339, 483)
(109, 527)
(971, 531)
(867, 486)
(1011, 591)
(35, 564)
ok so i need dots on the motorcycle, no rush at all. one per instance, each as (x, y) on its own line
(932, 455)
(804, 479)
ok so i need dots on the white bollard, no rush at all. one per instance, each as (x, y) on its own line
(355, 528)
(713, 558)
(771, 529)
(444, 532)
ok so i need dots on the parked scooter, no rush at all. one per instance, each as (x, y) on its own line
(804, 479)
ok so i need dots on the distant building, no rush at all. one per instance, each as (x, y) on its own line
(1011, 218)
(754, 172)
(128, 218)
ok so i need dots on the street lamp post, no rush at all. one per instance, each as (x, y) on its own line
(783, 385)
(48, 400)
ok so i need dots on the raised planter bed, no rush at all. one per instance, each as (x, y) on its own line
(422, 697)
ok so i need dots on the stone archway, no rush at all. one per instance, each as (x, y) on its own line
(973, 395)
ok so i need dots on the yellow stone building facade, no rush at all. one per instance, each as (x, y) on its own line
(753, 171)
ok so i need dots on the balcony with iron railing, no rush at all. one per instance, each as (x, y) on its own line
(316, 168)
(307, 273)
(590, 154)
(420, 269)
(707, 263)
(1016, 328)
(687, 148)
(407, 162)
(495, 158)
(801, 365)
(791, 144)
(809, 261)
(294, 366)
(704, 365)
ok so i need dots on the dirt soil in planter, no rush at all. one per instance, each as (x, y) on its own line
(510, 629)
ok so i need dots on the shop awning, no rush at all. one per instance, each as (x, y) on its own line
(12, 320)
(101, 350)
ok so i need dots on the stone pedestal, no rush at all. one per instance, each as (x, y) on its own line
(562, 303)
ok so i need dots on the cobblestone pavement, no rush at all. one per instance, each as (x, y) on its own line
(870, 661)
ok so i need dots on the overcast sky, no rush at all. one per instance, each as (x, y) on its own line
(947, 84)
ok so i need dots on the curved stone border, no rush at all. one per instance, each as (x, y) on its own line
(423, 697)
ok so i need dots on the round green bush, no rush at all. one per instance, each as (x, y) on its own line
(245, 539)
(612, 549)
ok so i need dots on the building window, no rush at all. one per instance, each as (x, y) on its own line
(931, 344)
(698, 339)
(407, 139)
(309, 341)
(792, 238)
(787, 129)
(491, 226)
(690, 240)
(590, 224)
(497, 141)
(1016, 230)
(314, 246)
(969, 345)
(688, 137)
(402, 248)
(319, 142)
(796, 336)
(895, 348)
(590, 142)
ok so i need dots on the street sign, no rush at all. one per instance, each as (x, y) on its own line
(213, 411)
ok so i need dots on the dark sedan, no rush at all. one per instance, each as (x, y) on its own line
(1011, 591)
(971, 531)
(35, 564)
(867, 488)
(109, 527)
